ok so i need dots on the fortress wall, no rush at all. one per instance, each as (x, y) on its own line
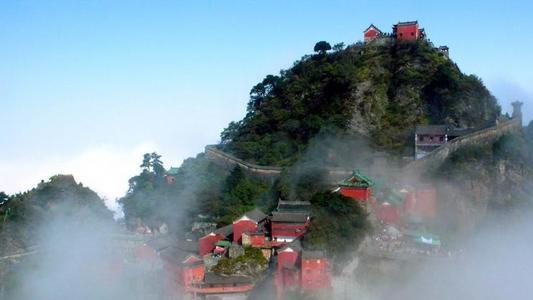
(431, 161)
(484, 136)
(229, 161)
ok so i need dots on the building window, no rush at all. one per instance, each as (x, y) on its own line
(412, 34)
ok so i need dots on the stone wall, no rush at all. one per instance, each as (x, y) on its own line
(229, 161)
(484, 136)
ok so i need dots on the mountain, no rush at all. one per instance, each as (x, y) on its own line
(380, 92)
(61, 196)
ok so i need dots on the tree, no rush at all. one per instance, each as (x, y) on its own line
(322, 47)
(145, 165)
(3, 197)
(157, 164)
(339, 225)
(338, 47)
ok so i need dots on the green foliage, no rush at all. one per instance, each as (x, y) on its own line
(380, 92)
(339, 47)
(251, 263)
(200, 188)
(61, 197)
(152, 201)
(322, 47)
(239, 195)
(3, 197)
(339, 225)
(511, 147)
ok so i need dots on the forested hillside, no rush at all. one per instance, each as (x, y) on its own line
(22, 214)
(380, 92)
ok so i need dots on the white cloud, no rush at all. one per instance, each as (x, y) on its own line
(104, 168)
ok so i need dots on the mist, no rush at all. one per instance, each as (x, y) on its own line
(78, 256)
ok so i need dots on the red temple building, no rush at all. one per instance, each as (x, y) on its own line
(407, 31)
(402, 31)
(193, 271)
(170, 175)
(315, 271)
(371, 33)
(290, 220)
(287, 276)
(389, 207)
(357, 187)
(249, 222)
(207, 243)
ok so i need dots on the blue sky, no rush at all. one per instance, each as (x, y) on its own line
(87, 86)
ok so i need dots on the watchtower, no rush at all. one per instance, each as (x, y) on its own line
(517, 110)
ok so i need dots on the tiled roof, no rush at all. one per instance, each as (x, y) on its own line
(302, 206)
(432, 129)
(172, 171)
(407, 23)
(372, 26)
(289, 217)
(357, 180)
(161, 243)
(256, 215)
(312, 254)
(225, 231)
(295, 245)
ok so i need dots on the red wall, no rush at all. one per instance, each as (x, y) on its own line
(359, 194)
(422, 202)
(170, 179)
(287, 258)
(285, 277)
(193, 274)
(388, 213)
(145, 252)
(239, 227)
(257, 240)
(315, 274)
(207, 243)
(407, 32)
(288, 229)
(371, 34)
